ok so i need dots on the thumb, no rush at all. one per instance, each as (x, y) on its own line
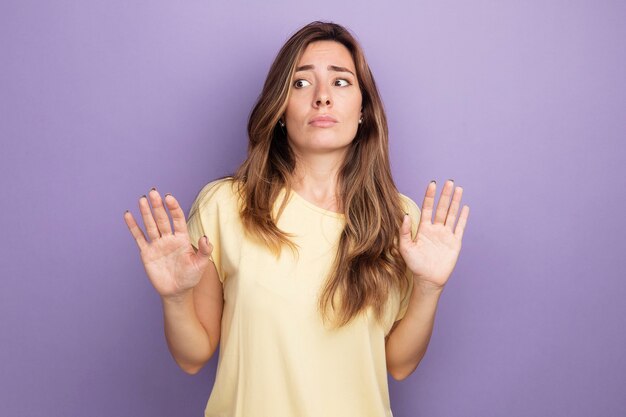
(204, 249)
(405, 230)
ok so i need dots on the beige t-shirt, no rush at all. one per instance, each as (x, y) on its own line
(276, 357)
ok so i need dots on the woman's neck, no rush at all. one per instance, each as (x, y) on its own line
(315, 179)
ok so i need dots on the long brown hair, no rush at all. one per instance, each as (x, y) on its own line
(368, 263)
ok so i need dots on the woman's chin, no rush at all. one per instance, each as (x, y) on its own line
(320, 146)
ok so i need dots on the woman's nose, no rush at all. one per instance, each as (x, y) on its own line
(322, 97)
(323, 100)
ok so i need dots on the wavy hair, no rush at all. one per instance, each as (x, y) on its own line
(368, 264)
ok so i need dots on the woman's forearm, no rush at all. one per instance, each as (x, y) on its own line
(187, 339)
(407, 343)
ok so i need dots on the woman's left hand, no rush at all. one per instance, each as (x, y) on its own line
(432, 255)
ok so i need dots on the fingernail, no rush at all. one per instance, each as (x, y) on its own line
(166, 194)
(144, 196)
(126, 212)
(451, 180)
(434, 181)
(153, 189)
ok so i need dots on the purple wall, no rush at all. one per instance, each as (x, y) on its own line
(521, 102)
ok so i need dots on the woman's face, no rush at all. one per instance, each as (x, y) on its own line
(324, 84)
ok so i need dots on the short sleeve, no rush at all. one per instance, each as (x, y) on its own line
(415, 213)
(206, 217)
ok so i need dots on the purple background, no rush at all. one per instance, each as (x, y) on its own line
(521, 102)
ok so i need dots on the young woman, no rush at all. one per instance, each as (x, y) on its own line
(312, 272)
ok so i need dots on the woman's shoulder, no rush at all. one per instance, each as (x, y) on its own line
(219, 192)
(222, 186)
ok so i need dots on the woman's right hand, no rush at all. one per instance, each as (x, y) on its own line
(171, 263)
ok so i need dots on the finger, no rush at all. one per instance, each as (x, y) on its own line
(203, 254)
(454, 208)
(444, 202)
(148, 220)
(460, 227)
(405, 230)
(428, 203)
(137, 233)
(178, 215)
(204, 246)
(160, 215)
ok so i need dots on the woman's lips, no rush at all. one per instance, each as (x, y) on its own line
(323, 121)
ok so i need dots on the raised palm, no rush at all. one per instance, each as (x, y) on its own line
(433, 254)
(170, 261)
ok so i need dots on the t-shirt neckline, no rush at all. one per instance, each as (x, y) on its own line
(317, 208)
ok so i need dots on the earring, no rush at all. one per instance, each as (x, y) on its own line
(360, 119)
(281, 123)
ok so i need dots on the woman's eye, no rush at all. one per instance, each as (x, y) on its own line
(345, 82)
(301, 83)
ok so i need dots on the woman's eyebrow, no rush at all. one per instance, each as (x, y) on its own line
(330, 68)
